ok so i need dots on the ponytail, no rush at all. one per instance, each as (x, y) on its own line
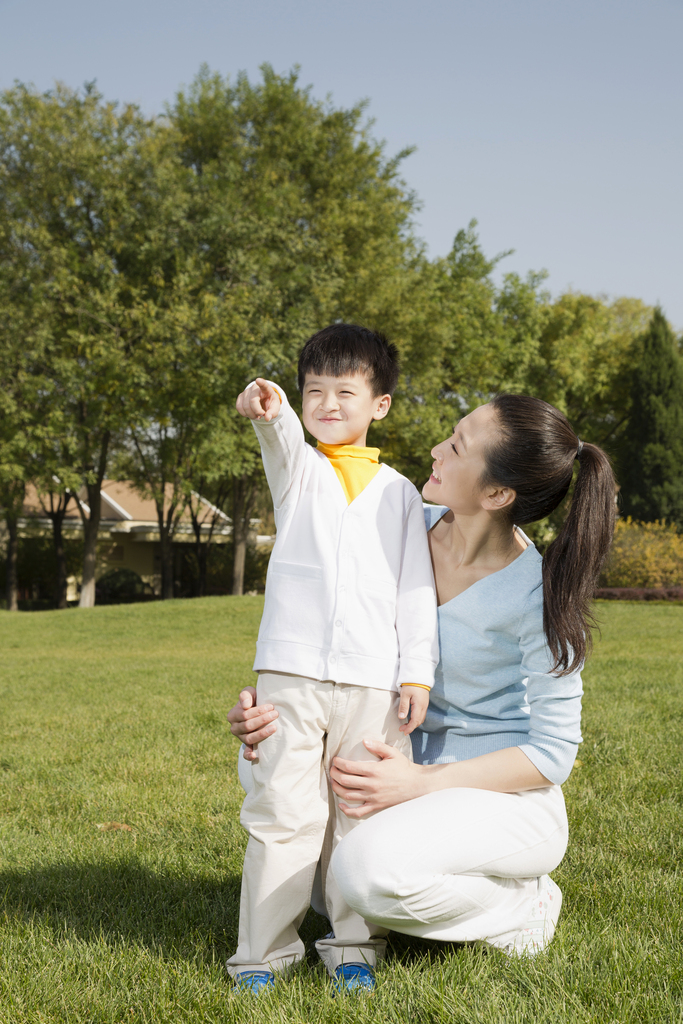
(535, 457)
(573, 561)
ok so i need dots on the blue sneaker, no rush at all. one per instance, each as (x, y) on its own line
(354, 978)
(254, 981)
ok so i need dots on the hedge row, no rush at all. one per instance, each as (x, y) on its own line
(640, 593)
(646, 556)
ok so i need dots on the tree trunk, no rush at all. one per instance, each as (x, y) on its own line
(201, 548)
(166, 564)
(202, 554)
(55, 511)
(60, 558)
(12, 550)
(239, 537)
(200, 551)
(167, 524)
(91, 528)
(243, 492)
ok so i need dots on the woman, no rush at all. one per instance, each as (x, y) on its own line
(469, 832)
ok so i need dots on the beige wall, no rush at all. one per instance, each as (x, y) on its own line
(124, 553)
(141, 556)
(118, 550)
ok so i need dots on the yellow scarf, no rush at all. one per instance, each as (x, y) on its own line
(354, 466)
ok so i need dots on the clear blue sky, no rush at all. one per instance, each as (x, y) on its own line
(556, 123)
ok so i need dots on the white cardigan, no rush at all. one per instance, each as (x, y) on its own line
(350, 592)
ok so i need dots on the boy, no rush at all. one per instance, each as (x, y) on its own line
(349, 619)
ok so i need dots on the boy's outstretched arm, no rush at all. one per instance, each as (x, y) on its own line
(280, 436)
(259, 401)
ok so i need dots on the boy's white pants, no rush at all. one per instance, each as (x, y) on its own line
(288, 812)
(456, 865)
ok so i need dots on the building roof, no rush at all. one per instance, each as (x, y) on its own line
(121, 502)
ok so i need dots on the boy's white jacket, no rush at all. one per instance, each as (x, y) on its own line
(350, 592)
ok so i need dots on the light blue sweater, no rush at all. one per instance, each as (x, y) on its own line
(493, 686)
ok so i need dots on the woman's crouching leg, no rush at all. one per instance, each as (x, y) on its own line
(460, 865)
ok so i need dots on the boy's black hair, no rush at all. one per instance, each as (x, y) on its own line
(349, 348)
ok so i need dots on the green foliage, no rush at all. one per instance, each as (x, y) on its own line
(463, 339)
(71, 175)
(37, 570)
(291, 212)
(584, 363)
(652, 459)
(78, 178)
(122, 586)
(152, 267)
(118, 715)
(644, 555)
(302, 221)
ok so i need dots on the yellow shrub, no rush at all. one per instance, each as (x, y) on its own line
(644, 555)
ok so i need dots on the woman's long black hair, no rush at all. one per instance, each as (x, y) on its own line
(535, 457)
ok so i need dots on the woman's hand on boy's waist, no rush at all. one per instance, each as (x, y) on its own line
(251, 723)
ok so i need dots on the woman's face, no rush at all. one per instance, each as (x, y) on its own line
(459, 464)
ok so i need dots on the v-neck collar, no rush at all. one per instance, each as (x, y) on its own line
(530, 546)
(491, 575)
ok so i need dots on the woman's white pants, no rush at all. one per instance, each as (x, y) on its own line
(456, 865)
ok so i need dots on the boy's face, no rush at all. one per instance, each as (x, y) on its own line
(339, 410)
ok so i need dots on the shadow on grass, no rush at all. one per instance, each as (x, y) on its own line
(409, 950)
(125, 902)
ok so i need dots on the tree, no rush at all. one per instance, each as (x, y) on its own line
(302, 221)
(151, 268)
(166, 451)
(582, 364)
(179, 385)
(22, 346)
(75, 172)
(12, 453)
(207, 511)
(461, 338)
(54, 504)
(652, 460)
(585, 362)
(11, 499)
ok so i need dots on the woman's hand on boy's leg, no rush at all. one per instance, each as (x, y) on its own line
(260, 401)
(414, 699)
(375, 785)
(250, 723)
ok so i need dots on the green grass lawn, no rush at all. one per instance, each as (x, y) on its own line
(118, 715)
